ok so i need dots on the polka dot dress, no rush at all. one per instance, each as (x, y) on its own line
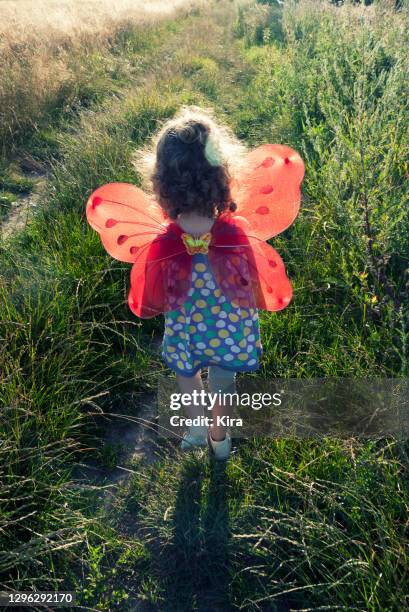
(210, 330)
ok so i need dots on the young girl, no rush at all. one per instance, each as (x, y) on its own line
(191, 178)
(206, 267)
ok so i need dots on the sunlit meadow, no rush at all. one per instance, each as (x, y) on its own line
(287, 524)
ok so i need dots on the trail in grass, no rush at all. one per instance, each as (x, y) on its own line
(132, 437)
(24, 206)
(257, 532)
(202, 55)
(209, 59)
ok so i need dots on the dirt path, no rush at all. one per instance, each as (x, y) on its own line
(24, 206)
(132, 438)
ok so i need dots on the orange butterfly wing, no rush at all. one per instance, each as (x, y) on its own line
(160, 284)
(126, 219)
(267, 191)
(133, 229)
(248, 270)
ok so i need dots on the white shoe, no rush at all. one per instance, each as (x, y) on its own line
(220, 448)
(194, 437)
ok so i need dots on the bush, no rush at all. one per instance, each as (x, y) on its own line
(337, 91)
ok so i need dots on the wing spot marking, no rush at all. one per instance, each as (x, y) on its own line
(266, 189)
(262, 210)
(96, 201)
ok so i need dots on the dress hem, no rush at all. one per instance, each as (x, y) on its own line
(209, 362)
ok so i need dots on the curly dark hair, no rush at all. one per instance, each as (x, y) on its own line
(185, 177)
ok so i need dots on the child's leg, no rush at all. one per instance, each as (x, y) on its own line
(223, 381)
(188, 384)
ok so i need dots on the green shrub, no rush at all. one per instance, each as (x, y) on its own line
(257, 24)
(337, 91)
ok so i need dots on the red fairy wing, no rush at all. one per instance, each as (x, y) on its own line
(125, 218)
(268, 271)
(267, 192)
(161, 276)
(248, 270)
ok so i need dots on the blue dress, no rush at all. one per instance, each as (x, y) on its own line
(210, 330)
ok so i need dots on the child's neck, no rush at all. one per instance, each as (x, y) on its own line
(195, 224)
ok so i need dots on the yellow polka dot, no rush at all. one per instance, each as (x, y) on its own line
(197, 317)
(179, 364)
(200, 267)
(215, 309)
(182, 335)
(242, 343)
(214, 342)
(258, 343)
(244, 314)
(192, 329)
(217, 293)
(223, 333)
(235, 304)
(246, 331)
(233, 317)
(183, 356)
(209, 352)
(200, 303)
(181, 319)
(243, 356)
(199, 283)
(171, 349)
(168, 331)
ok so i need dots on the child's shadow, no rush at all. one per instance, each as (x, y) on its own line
(199, 580)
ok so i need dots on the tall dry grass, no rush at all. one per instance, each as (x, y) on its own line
(51, 53)
(22, 17)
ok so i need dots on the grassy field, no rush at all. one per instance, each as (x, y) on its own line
(59, 57)
(287, 524)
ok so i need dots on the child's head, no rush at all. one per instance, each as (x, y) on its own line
(190, 166)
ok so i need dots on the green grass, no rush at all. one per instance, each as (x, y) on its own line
(287, 524)
(12, 186)
(6, 201)
(332, 92)
(12, 181)
(38, 100)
